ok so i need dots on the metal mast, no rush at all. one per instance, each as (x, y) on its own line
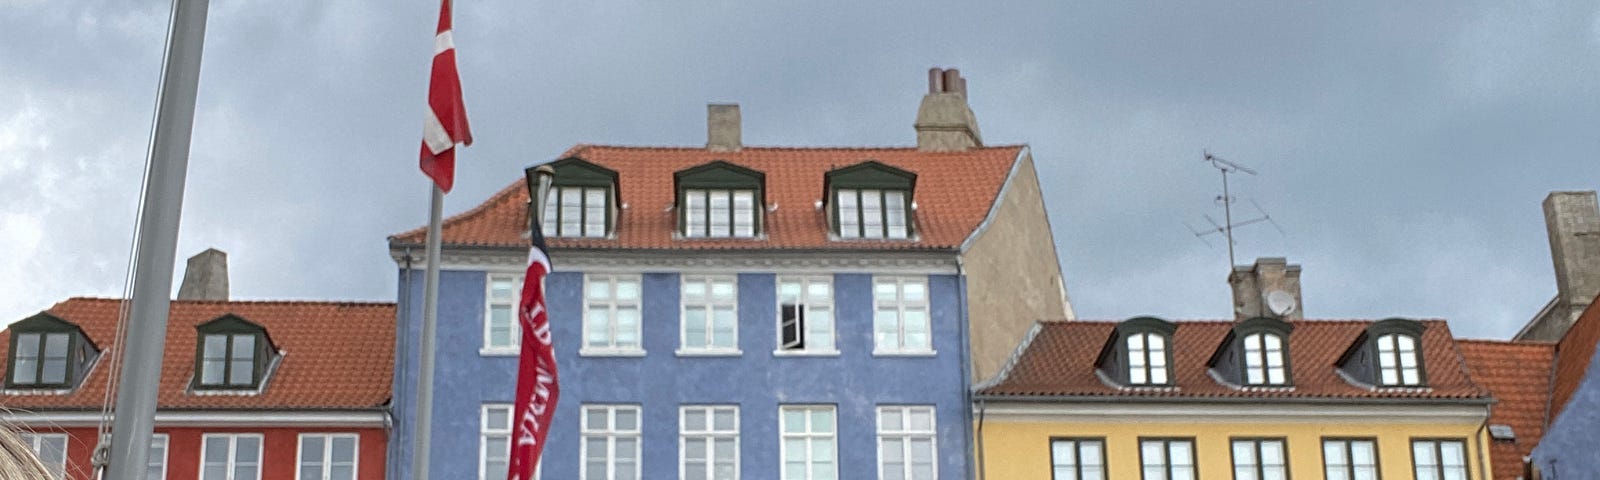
(135, 411)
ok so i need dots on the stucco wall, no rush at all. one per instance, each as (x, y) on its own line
(660, 382)
(279, 451)
(1013, 275)
(1014, 450)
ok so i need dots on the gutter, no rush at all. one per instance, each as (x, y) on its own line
(1233, 400)
(367, 418)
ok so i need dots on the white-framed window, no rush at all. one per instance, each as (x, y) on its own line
(573, 211)
(906, 443)
(611, 315)
(494, 442)
(710, 314)
(805, 315)
(1078, 458)
(1264, 359)
(230, 456)
(1260, 459)
(810, 444)
(1439, 459)
(871, 213)
(1350, 458)
(900, 315)
(500, 331)
(156, 466)
(1147, 359)
(610, 444)
(51, 448)
(327, 456)
(1166, 458)
(1398, 364)
(708, 442)
(719, 213)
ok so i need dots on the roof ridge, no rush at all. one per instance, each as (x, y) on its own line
(1520, 343)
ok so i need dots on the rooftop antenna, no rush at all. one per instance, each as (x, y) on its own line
(1226, 199)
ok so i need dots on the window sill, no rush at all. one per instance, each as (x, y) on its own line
(805, 353)
(708, 353)
(909, 353)
(611, 353)
(499, 351)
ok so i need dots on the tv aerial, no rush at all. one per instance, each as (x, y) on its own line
(1227, 200)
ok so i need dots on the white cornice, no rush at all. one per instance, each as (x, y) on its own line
(1261, 412)
(515, 261)
(213, 418)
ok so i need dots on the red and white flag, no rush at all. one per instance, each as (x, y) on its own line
(446, 123)
(537, 388)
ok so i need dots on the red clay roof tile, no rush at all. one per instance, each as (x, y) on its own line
(1518, 375)
(335, 355)
(1573, 354)
(954, 193)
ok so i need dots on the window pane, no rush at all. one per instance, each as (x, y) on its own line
(55, 370)
(498, 419)
(311, 448)
(895, 213)
(627, 419)
(344, 449)
(248, 449)
(27, 344)
(55, 345)
(241, 373)
(26, 371)
(1452, 453)
(627, 289)
(627, 326)
(216, 346)
(550, 217)
(724, 325)
(744, 213)
(594, 215)
(694, 327)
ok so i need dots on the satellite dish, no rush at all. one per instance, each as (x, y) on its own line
(1280, 302)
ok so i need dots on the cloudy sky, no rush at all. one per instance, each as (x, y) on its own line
(1403, 149)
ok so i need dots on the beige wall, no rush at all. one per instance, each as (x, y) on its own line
(1013, 274)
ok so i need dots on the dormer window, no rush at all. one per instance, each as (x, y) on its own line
(582, 201)
(233, 353)
(720, 200)
(870, 200)
(1255, 354)
(1387, 354)
(48, 353)
(1139, 353)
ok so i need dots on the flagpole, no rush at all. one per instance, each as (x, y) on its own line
(430, 314)
(133, 422)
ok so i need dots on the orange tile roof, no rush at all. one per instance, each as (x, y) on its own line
(335, 355)
(1518, 375)
(1573, 354)
(1060, 362)
(953, 195)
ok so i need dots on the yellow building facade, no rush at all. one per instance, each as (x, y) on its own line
(1258, 399)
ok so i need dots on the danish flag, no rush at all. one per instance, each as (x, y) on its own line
(446, 123)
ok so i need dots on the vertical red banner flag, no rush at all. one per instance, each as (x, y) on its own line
(446, 122)
(537, 388)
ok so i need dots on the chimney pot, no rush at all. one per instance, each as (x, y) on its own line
(723, 127)
(935, 80)
(945, 122)
(205, 277)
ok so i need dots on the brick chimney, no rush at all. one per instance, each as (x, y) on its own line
(1573, 222)
(944, 121)
(723, 127)
(1253, 284)
(205, 277)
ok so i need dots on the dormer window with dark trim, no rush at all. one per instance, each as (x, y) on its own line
(48, 353)
(1255, 353)
(582, 201)
(720, 200)
(232, 353)
(1139, 353)
(1388, 354)
(870, 200)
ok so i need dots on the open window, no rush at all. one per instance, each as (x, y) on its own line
(48, 353)
(1255, 353)
(232, 353)
(870, 200)
(1387, 354)
(720, 200)
(583, 200)
(805, 315)
(1139, 353)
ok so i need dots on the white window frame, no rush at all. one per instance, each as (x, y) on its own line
(1392, 359)
(1077, 445)
(1435, 448)
(1347, 447)
(711, 304)
(489, 302)
(805, 304)
(710, 434)
(155, 439)
(327, 455)
(486, 432)
(1264, 363)
(611, 434)
(1146, 358)
(906, 433)
(707, 228)
(36, 442)
(858, 228)
(559, 208)
(1168, 445)
(613, 305)
(1254, 464)
(233, 453)
(810, 434)
(900, 305)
